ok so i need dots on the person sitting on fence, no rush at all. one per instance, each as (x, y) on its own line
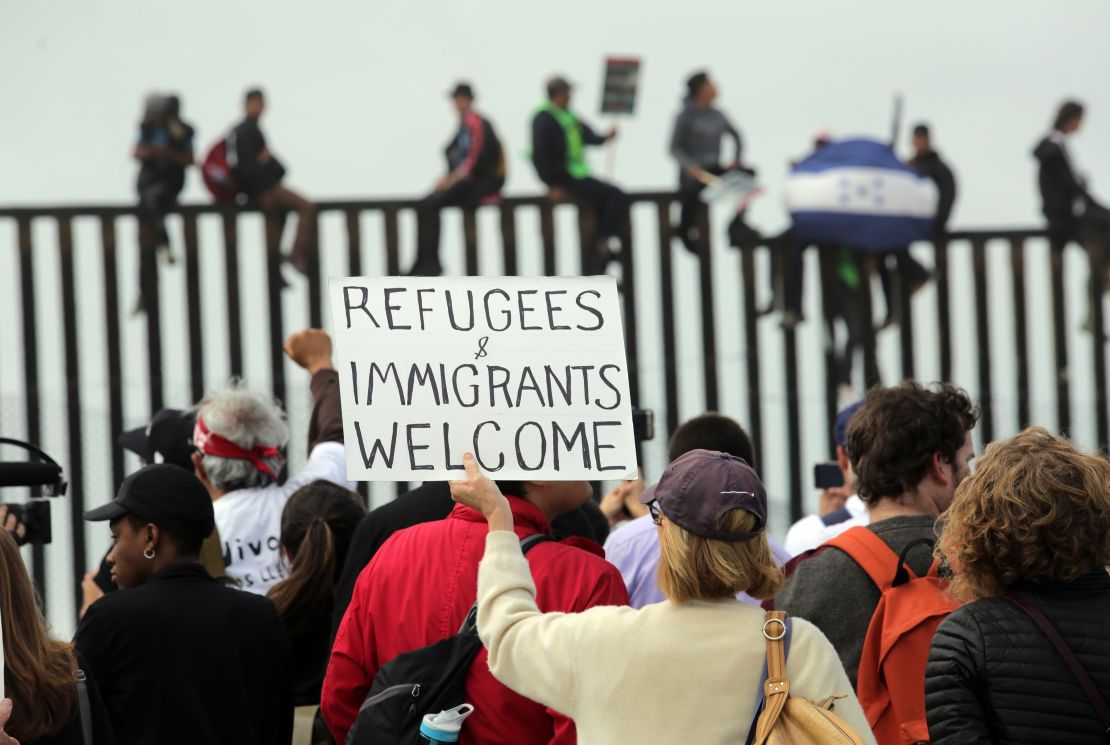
(634, 547)
(559, 140)
(179, 657)
(260, 174)
(164, 149)
(475, 172)
(911, 274)
(910, 448)
(611, 669)
(316, 528)
(696, 145)
(167, 438)
(42, 676)
(1072, 212)
(239, 437)
(1029, 529)
(839, 507)
(421, 585)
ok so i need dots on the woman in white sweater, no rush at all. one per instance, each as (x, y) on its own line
(686, 670)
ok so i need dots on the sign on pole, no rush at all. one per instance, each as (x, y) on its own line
(529, 374)
(622, 79)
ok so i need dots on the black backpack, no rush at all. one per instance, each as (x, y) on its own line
(424, 681)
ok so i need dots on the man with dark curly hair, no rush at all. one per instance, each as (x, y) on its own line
(910, 447)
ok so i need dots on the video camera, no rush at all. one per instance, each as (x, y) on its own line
(41, 471)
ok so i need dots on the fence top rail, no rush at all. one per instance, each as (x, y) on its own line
(381, 205)
(326, 205)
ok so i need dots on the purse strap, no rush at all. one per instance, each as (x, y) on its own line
(774, 688)
(1090, 690)
(83, 707)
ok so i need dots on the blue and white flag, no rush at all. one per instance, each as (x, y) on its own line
(857, 193)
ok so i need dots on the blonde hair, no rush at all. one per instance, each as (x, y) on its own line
(696, 568)
(1035, 510)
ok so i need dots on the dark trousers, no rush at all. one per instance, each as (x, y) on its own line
(280, 198)
(155, 200)
(692, 212)
(911, 275)
(463, 193)
(793, 275)
(609, 201)
(846, 303)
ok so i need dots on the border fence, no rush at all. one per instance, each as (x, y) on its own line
(675, 310)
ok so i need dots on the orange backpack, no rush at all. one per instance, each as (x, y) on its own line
(891, 681)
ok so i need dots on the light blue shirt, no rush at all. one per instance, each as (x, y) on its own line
(634, 549)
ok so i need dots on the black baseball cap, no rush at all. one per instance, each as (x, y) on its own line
(557, 84)
(699, 487)
(167, 438)
(168, 496)
(462, 89)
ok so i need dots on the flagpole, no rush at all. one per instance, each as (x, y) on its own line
(611, 153)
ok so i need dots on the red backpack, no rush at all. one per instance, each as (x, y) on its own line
(891, 681)
(217, 174)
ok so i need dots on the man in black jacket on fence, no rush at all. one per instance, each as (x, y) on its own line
(1073, 214)
(475, 172)
(260, 174)
(928, 163)
(559, 141)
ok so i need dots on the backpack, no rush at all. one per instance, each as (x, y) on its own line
(218, 178)
(782, 719)
(891, 681)
(424, 681)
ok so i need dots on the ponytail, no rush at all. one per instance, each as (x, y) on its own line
(310, 587)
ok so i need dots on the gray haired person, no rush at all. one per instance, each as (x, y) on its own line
(240, 437)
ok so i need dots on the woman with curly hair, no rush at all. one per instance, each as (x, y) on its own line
(1028, 540)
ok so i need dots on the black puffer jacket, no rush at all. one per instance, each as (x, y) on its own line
(993, 677)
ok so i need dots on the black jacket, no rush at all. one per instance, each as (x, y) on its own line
(72, 732)
(245, 143)
(425, 504)
(182, 659)
(1060, 189)
(993, 677)
(477, 150)
(549, 148)
(177, 136)
(932, 167)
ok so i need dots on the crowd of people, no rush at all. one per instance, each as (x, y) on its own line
(706, 147)
(243, 601)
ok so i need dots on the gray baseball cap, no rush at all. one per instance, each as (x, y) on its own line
(699, 487)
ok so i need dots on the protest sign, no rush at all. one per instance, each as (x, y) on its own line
(618, 91)
(529, 374)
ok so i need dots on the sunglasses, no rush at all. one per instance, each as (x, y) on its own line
(655, 512)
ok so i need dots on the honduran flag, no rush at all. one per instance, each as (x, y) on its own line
(857, 193)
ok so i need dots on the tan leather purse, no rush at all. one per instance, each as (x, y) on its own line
(786, 720)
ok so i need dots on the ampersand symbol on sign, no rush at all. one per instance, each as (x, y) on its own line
(481, 347)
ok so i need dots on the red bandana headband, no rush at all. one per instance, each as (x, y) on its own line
(211, 443)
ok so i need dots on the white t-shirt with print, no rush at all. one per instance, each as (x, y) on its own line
(249, 520)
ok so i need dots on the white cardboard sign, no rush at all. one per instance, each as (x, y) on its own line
(529, 374)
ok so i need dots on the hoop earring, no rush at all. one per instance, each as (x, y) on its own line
(149, 554)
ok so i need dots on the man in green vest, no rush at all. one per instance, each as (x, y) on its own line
(559, 140)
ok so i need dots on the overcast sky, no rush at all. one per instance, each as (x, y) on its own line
(358, 103)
